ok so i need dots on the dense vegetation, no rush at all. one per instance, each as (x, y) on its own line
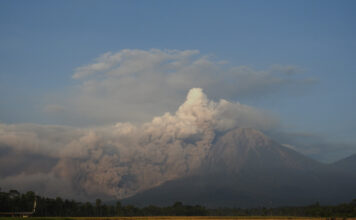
(13, 201)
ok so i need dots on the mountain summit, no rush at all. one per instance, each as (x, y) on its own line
(245, 168)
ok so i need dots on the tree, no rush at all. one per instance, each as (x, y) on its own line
(98, 207)
(118, 208)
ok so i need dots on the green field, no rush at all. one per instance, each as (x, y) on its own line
(177, 218)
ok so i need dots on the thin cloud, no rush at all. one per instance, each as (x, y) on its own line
(54, 108)
(136, 85)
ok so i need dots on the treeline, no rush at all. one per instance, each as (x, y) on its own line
(13, 201)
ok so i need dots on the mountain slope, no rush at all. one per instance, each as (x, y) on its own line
(347, 164)
(244, 168)
(245, 147)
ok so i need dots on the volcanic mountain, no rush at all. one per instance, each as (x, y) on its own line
(245, 168)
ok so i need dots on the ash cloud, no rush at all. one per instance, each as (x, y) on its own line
(123, 159)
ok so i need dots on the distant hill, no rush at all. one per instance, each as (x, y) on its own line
(245, 168)
(347, 164)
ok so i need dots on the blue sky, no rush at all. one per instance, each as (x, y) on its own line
(43, 42)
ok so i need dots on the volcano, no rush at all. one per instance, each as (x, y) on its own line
(245, 168)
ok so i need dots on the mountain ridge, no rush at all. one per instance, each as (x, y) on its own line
(347, 164)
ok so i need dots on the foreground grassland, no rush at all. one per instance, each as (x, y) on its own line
(178, 218)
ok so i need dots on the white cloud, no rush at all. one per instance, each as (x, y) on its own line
(135, 85)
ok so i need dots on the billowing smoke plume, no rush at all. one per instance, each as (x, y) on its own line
(118, 160)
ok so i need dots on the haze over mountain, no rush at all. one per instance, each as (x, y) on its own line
(245, 168)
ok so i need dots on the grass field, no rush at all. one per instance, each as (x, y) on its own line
(178, 218)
